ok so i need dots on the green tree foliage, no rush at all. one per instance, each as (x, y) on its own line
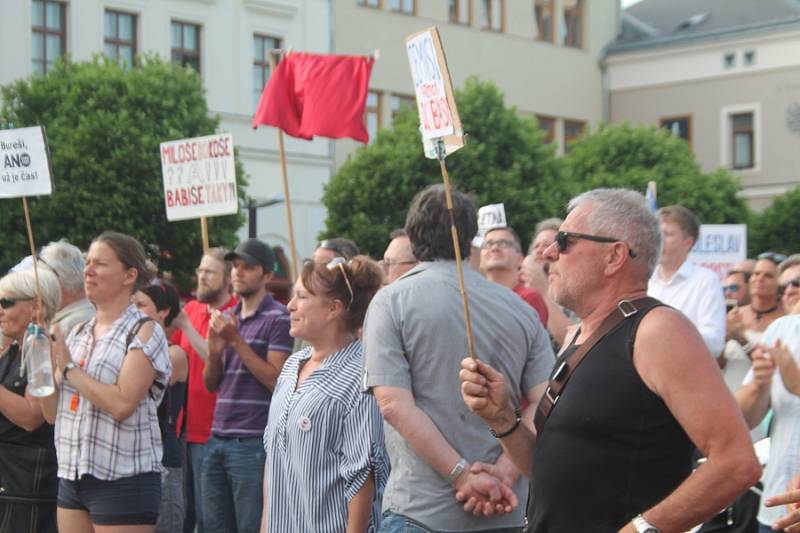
(104, 124)
(777, 229)
(504, 161)
(621, 155)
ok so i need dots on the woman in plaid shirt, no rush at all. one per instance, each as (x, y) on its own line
(111, 375)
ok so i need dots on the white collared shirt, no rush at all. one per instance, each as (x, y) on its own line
(697, 293)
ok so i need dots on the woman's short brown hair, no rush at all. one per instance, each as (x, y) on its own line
(364, 275)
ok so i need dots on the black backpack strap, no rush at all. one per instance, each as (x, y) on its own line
(135, 330)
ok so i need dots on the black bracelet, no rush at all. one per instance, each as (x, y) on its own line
(513, 428)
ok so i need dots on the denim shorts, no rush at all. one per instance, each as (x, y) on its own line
(127, 501)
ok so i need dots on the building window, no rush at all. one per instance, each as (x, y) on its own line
(572, 32)
(372, 114)
(49, 33)
(543, 16)
(729, 60)
(370, 3)
(262, 45)
(120, 36)
(548, 125)
(742, 140)
(572, 130)
(678, 126)
(461, 12)
(492, 15)
(403, 6)
(398, 102)
(749, 58)
(186, 44)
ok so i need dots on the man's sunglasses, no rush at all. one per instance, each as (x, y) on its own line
(772, 256)
(563, 237)
(8, 303)
(793, 283)
(733, 287)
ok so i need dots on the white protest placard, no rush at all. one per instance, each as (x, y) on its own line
(436, 105)
(199, 177)
(489, 217)
(24, 163)
(720, 246)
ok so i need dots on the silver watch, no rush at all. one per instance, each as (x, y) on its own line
(643, 526)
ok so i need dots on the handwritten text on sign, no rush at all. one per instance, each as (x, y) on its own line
(24, 163)
(429, 86)
(199, 177)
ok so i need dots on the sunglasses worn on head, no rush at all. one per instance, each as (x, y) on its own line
(772, 256)
(7, 303)
(339, 262)
(563, 237)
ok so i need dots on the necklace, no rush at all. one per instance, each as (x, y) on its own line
(760, 314)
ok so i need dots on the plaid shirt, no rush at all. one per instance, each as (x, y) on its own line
(88, 439)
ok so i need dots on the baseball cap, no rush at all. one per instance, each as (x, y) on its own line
(254, 252)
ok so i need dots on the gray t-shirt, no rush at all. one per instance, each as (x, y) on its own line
(414, 338)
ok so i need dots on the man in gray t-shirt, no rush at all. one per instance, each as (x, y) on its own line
(414, 340)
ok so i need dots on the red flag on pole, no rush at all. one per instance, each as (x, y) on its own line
(312, 94)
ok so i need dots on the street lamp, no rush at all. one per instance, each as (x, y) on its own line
(253, 204)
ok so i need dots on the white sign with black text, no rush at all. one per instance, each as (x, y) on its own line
(24, 163)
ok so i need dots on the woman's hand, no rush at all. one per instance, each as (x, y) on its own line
(59, 351)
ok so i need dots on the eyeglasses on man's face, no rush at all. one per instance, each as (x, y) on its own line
(488, 244)
(388, 264)
(563, 240)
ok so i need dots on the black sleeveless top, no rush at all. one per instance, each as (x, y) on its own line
(610, 448)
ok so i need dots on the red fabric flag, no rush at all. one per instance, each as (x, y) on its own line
(312, 94)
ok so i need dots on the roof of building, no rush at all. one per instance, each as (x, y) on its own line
(659, 23)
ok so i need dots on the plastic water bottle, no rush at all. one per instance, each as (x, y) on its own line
(36, 355)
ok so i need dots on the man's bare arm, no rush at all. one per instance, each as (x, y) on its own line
(685, 375)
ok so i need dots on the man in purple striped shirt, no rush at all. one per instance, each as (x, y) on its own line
(247, 350)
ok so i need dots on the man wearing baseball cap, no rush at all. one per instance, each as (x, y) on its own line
(247, 350)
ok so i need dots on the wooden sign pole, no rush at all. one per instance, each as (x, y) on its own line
(33, 258)
(441, 153)
(204, 233)
(287, 200)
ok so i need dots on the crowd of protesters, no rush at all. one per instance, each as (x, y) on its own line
(605, 363)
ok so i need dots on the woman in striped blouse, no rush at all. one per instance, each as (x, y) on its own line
(326, 462)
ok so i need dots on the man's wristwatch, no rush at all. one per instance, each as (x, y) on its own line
(69, 366)
(643, 526)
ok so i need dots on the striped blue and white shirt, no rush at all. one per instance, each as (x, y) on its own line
(322, 440)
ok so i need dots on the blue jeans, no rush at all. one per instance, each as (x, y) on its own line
(397, 523)
(195, 453)
(232, 479)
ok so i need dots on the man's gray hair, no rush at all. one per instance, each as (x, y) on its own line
(624, 214)
(67, 261)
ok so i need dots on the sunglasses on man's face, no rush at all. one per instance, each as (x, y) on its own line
(563, 240)
(733, 287)
(8, 303)
(791, 283)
